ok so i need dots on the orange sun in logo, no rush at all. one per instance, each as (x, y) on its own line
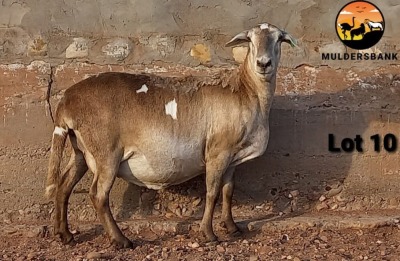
(360, 25)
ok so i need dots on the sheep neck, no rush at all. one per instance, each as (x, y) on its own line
(257, 87)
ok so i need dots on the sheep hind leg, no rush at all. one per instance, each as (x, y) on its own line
(73, 173)
(103, 181)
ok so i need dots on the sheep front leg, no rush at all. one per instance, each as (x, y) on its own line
(214, 174)
(228, 185)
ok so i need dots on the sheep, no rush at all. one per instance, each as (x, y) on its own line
(373, 25)
(153, 132)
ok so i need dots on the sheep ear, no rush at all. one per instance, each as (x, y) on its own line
(287, 38)
(239, 39)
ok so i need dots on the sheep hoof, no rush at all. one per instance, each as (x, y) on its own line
(210, 239)
(237, 233)
(67, 238)
(120, 243)
(212, 243)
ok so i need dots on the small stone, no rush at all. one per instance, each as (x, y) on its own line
(178, 212)
(260, 207)
(188, 213)
(164, 255)
(340, 198)
(334, 206)
(322, 198)
(295, 193)
(324, 238)
(31, 256)
(10, 231)
(253, 258)
(285, 238)
(263, 250)
(169, 215)
(196, 202)
(296, 259)
(251, 226)
(172, 206)
(289, 257)
(37, 231)
(334, 192)
(245, 242)
(393, 202)
(94, 255)
(195, 245)
(322, 206)
(220, 249)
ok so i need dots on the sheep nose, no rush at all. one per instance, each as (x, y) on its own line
(263, 62)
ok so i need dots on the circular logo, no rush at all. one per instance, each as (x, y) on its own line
(360, 25)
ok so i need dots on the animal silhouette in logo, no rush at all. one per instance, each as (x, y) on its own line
(346, 27)
(360, 25)
(373, 25)
(358, 31)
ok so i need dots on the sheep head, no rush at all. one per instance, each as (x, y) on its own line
(264, 48)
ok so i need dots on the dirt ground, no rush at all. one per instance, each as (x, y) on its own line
(290, 181)
(318, 236)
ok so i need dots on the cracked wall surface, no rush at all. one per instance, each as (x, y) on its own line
(46, 46)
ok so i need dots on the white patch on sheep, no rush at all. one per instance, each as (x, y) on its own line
(264, 26)
(59, 131)
(171, 108)
(143, 89)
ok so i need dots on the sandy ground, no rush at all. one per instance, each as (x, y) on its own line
(318, 236)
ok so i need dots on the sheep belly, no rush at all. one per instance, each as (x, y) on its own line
(162, 173)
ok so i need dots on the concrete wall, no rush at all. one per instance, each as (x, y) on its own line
(129, 32)
(46, 46)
